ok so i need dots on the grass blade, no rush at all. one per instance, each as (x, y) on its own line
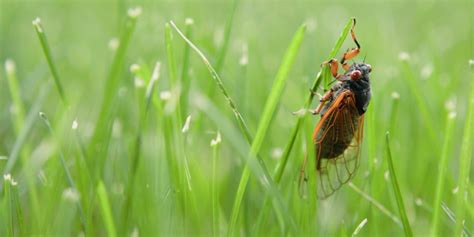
(215, 191)
(278, 173)
(65, 167)
(216, 77)
(289, 146)
(465, 160)
(442, 168)
(376, 203)
(99, 142)
(268, 112)
(9, 205)
(227, 32)
(396, 190)
(258, 167)
(106, 210)
(185, 78)
(420, 102)
(49, 57)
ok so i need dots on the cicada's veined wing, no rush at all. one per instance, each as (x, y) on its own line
(337, 139)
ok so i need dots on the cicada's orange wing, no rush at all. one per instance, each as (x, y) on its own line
(337, 139)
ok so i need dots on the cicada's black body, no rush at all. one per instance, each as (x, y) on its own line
(349, 102)
(338, 134)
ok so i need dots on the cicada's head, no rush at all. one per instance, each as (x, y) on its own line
(359, 71)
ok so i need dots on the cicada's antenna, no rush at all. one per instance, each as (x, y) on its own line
(365, 56)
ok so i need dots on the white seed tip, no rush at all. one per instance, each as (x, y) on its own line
(156, 72)
(360, 226)
(244, 59)
(419, 202)
(139, 83)
(186, 124)
(7, 177)
(386, 175)
(134, 12)
(404, 56)
(9, 66)
(75, 124)
(188, 21)
(36, 21)
(471, 62)
(277, 152)
(42, 115)
(165, 95)
(134, 68)
(37, 24)
(71, 194)
(450, 104)
(395, 95)
(426, 71)
(114, 43)
(217, 140)
(452, 115)
(455, 190)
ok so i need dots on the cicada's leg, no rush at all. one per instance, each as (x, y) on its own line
(323, 100)
(334, 65)
(303, 178)
(351, 53)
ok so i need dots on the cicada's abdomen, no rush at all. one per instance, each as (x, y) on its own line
(337, 130)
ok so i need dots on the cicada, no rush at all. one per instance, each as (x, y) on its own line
(338, 134)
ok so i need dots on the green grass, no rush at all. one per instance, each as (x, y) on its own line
(396, 190)
(119, 156)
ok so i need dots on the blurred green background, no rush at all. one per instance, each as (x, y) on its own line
(418, 51)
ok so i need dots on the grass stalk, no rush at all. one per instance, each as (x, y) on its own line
(65, 167)
(106, 210)
(396, 190)
(49, 58)
(260, 167)
(376, 203)
(19, 121)
(442, 168)
(465, 161)
(99, 142)
(420, 102)
(185, 79)
(319, 77)
(267, 114)
(9, 205)
(215, 189)
(144, 97)
(278, 173)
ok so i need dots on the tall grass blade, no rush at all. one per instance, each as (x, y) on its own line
(442, 168)
(465, 160)
(99, 142)
(396, 190)
(106, 210)
(49, 57)
(264, 123)
(278, 173)
(289, 146)
(259, 168)
(65, 167)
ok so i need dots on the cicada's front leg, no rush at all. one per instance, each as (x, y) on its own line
(351, 53)
(323, 100)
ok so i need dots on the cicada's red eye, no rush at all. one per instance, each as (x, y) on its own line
(356, 74)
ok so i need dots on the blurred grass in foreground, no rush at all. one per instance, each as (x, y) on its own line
(119, 156)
